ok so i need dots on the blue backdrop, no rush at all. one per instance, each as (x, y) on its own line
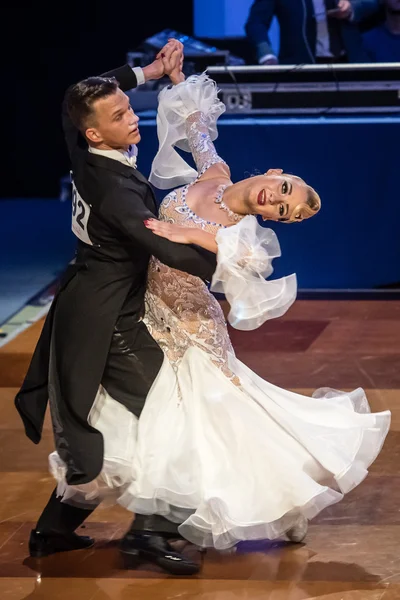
(227, 18)
(353, 163)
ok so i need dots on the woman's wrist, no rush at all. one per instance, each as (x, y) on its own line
(177, 78)
(204, 239)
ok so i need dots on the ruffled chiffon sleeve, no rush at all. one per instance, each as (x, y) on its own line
(186, 119)
(244, 261)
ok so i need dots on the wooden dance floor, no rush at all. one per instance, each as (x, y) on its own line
(352, 550)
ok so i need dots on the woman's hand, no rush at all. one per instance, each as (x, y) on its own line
(172, 59)
(170, 231)
(167, 62)
(183, 235)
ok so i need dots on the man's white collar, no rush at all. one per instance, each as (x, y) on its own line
(128, 157)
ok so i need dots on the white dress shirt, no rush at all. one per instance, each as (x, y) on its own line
(127, 157)
(139, 75)
(323, 42)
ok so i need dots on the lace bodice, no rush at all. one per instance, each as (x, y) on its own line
(180, 310)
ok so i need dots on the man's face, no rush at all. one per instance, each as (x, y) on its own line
(115, 125)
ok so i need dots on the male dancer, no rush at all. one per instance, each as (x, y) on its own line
(93, 333)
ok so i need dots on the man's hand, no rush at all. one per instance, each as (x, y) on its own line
(156, 69)
(171, 231)
(172, 58)
(343, 11)
(183, 235)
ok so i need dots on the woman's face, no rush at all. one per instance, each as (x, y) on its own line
(274, 196)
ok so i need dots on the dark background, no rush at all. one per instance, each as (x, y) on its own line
(48, 46)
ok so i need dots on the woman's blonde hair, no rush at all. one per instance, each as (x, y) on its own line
(306, 209)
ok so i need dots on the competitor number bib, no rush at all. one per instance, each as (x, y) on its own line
(80, 217)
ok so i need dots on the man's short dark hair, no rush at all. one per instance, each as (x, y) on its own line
(81, 97)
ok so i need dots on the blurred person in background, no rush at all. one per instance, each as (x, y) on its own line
(383, 42)
(311, 31)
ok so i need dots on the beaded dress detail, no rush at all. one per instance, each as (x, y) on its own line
(180, 310)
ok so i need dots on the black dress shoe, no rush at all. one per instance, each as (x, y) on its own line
(138, 548)
(43, 544)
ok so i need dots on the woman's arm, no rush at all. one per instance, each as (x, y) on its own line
(183, 235)
(204, 240)
(202, 148)
(187, 119)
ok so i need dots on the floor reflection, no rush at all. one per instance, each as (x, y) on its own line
(263, 571)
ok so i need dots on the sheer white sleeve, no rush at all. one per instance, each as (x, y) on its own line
(200, 143)
(244, 261)
(186, 119)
